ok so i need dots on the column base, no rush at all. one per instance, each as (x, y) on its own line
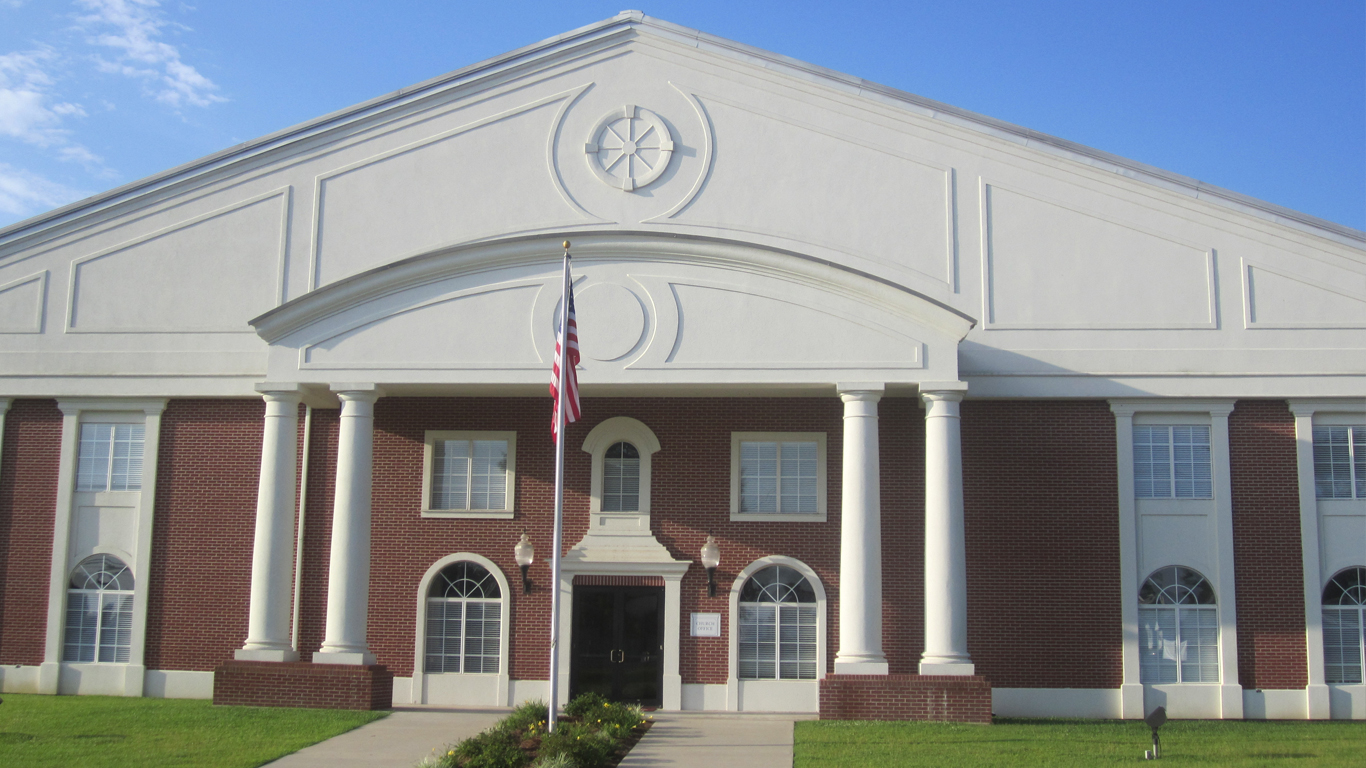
(49, 677)
(1131, 701)
(300, 684)
(362, 658)
(964, 669)
(950, 698)
(243, 654)
(1317, 702)
(860, 667)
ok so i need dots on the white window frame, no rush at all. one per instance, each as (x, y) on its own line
(1176, 610)
(1354, 477)
(127, 641)
(819, 438)
(112, 446)
(620, 429)
(775, 695)
(428, 472)
(470, 688)
(1355, 613)
(1172, 462)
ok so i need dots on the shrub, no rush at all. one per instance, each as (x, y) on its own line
(585, 746)
(585, 702)
(494, 748)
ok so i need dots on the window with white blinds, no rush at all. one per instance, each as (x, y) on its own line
(1340, 462)
(110, 457)
(778, 477)
(464, 621)
(99, 612)
(1178, 628)
(1172, 462)
(470, 472)
(1344, 627)
(621, 478)
(777, 625)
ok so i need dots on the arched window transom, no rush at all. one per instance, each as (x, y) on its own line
(1344, 626)
(777, 623)
(99, 611)
(1178, 628)
(464, 620)
(621, 478)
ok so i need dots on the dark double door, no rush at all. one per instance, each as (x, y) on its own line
(618, 643)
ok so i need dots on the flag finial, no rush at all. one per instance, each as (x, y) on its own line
(566, 245)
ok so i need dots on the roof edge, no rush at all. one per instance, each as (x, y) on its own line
(629, 20)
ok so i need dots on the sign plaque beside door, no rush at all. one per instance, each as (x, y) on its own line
(706, 625)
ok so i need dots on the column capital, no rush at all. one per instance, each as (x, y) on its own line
(288, 397)
(861, 391)
(362, 392)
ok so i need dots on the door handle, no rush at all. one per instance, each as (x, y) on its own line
(612, 657)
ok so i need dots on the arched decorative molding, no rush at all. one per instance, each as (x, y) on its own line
(761, 692)
(467, 693)
(121, 554)
(609, 433)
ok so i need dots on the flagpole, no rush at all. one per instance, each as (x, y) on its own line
(560, 402)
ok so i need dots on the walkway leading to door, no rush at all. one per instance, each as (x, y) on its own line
(710, 739)
(716, 740)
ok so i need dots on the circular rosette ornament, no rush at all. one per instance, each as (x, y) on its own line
(629, 148)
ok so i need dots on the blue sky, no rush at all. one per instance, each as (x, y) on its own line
(1264, 98)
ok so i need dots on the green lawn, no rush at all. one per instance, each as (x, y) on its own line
(837, 744)
(95, 731)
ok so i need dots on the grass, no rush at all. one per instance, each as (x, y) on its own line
(97, 731)
(854, 744)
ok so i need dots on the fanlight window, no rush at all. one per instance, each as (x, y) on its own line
(777, 625)
(99, 611)
(1178, 628)
(464, 620)
(1344, 606)
(621, 479)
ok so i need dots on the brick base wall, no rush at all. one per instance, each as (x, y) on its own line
(951, 698)
(301, 684)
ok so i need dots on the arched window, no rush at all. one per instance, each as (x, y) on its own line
(1178, 628)
(777, 623)
(1344, 603)
(99, 611)
(621, 478)
(464, 620)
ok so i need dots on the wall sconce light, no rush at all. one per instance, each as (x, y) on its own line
(711, 557)
(524, 553)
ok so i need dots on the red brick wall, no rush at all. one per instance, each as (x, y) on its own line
(207, 473)
(690, 495)
(319, 686)
(1042, 512)
(1267, 559)
(28, 497)
(950, 698)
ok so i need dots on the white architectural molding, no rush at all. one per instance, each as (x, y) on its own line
(470, 689)
(348, 576)
(1318, 695)
(946, 569)
(268, 618)
(429, 465)
(788, 693)
(106, 678)
(607, 434)
(819, 438)
(1186, 701)
(860, 651)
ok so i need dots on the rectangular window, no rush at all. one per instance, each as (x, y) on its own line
(777, 642)
(99, 626)
(1178, 644)
(778, 475)
(465, 631)
(1342, 647)
(1340, 462)
(470, 474)
(1172, 462)
(110, 457)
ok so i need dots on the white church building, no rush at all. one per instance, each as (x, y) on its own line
(977, 419)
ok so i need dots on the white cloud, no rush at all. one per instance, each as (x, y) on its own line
(23, 193)
(132, 28)
(30, 113)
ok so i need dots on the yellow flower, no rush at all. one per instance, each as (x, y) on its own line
(452, 752)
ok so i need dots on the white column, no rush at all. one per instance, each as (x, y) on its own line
(946, 568)
(348, 578)
(1317, 694)
(268, 637)
(860, 651)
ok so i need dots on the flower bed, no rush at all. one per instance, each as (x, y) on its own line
(592, 733)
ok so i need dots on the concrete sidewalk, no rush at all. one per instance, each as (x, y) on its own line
(407, 735)
(711, 739)
(716, 740)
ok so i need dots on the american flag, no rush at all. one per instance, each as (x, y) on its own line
(571, 379)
